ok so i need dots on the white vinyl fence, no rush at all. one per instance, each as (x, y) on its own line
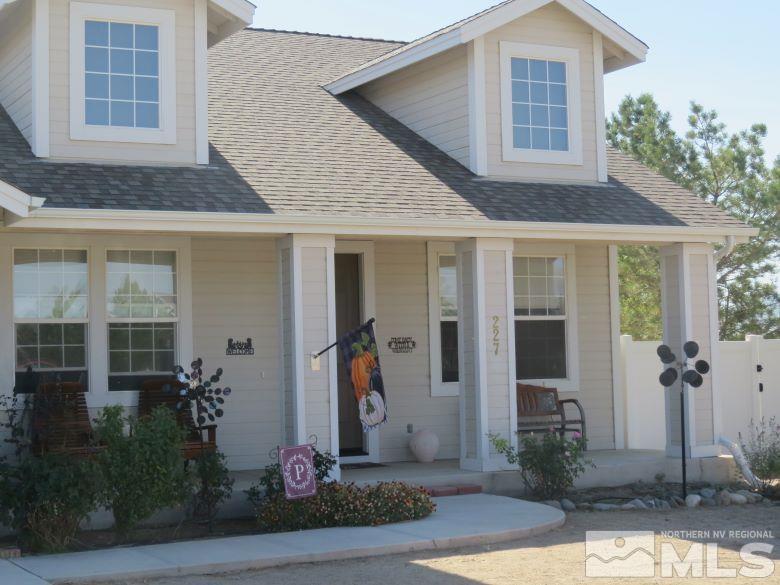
(741, 385)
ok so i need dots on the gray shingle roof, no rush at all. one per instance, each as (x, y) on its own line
(280, 144)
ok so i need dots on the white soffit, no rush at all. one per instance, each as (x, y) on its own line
(18, 202)
(226, 17)
(628, 50)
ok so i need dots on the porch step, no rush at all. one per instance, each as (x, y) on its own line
(440, 491)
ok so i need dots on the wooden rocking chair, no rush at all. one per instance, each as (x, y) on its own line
(539, 409)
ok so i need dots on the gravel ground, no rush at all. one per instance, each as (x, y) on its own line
(556, 557)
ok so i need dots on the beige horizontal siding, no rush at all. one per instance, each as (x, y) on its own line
(16, 66)
(595, 344)
(431, 98)
(234, 294)
(402, 311)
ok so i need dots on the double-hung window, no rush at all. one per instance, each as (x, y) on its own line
(540, 104)
(50, 317)
(142, 315)
(544, 323)
(443, 317)
(122, 85)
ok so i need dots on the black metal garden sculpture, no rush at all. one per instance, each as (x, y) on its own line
(687, 375)
(206, 396)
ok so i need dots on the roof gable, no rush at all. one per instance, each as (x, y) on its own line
(466, 30)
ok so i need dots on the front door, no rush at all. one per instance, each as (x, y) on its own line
(348, 317)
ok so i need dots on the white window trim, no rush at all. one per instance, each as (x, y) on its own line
(165, 20)
(570, 56)
(438, 388)
(572, 382)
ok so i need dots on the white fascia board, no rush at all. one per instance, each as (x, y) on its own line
(240, 9)
(484, 24)
(271, 224)
(499, 17)
(18, 202)
(607, 27)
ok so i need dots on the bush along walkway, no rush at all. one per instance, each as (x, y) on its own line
(458, 521)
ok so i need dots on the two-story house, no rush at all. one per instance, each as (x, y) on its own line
(171, 180)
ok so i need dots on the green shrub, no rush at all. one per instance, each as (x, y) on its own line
(345, 504)
(45, 499)
(762, 451)
(144, 470)
(549, 463)
(214, 485)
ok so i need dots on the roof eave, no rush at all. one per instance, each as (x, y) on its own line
(635, 51)
(201, 222)
(238, 14)
(18, 202)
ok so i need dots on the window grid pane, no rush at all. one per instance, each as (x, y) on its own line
(539, 105)
(50, 284)
(448, 315)
(540, 286)
(141, 348)
(448, 294)
(121, 63)
(141, 284)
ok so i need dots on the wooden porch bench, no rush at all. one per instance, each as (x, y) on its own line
(165, 392)
(539, 409)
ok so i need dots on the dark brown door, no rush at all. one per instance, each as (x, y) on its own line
(348, 317)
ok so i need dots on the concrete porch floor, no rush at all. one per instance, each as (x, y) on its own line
(611, 468)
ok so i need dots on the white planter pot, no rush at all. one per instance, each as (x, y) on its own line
(424, 444)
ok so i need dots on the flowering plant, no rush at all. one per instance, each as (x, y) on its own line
(762, 450)
(549, 463)
(345, 504)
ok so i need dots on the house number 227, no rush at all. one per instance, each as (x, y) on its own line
(496, 333)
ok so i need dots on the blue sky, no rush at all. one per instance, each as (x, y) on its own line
(722, 53)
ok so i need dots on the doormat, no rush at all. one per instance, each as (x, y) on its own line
(366, 465)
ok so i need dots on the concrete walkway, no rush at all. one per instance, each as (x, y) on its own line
(458, 521)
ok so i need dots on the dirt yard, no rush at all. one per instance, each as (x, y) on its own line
(557, 557)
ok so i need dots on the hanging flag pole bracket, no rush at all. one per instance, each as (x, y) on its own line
(315, 356)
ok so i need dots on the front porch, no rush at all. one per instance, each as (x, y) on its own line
(458, 321)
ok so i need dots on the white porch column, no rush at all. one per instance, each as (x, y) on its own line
(307, 324)
(486, 349)
(690, 313)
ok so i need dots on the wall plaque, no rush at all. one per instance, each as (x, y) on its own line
(236, 347)
(402, 344)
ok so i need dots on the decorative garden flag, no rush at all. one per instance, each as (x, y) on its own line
(300, 480)
(361, 359)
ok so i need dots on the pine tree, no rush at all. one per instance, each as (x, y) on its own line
(727, 170)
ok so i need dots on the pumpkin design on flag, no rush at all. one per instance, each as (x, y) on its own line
(361, 359)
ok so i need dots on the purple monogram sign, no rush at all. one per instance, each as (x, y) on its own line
(297, 464)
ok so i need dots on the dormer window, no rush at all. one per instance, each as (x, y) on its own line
(540, 104)
(122, 74)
